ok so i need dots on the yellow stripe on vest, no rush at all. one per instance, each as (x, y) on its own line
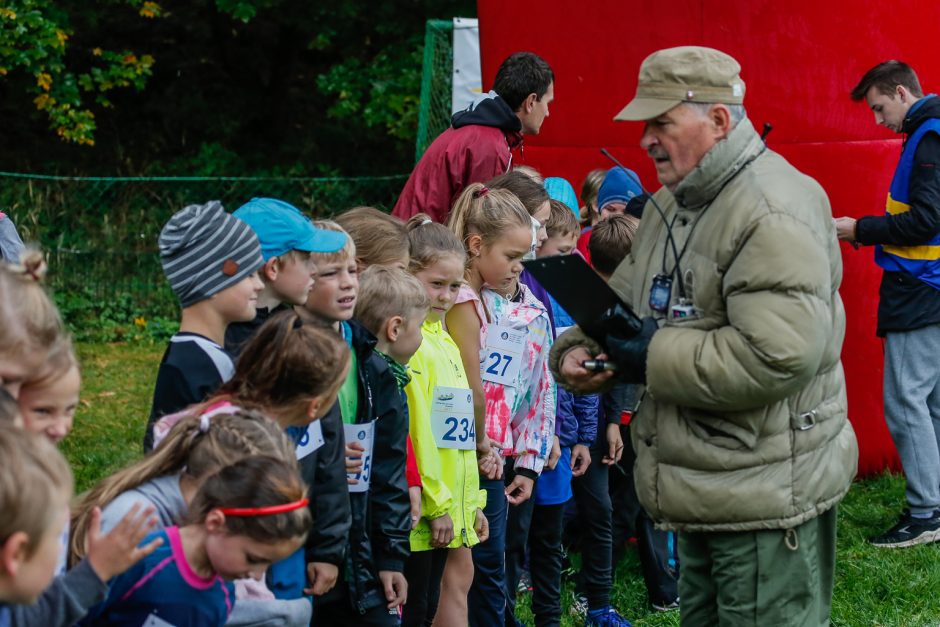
(922, 253)
(894, 207)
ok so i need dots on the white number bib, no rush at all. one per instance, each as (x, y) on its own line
(365, 435)
(502, 355)
(311, 440)
(452, 418)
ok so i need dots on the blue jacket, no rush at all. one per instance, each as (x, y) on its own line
(576, 418)
(576, 415)
(906, 302)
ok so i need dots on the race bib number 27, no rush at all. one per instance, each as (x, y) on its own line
(452, 418)
(502, 355)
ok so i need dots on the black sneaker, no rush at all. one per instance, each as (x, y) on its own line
(910, 531)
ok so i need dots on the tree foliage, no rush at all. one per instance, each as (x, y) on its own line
(34, 35)
(207, 87)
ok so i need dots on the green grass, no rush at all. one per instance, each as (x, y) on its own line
(117, 387)
(874, 587)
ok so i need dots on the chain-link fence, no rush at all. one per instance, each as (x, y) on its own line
(436, 76)
(101, 233)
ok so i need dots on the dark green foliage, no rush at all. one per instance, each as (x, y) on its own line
(260, 87)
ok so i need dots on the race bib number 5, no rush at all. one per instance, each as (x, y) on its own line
(364, 434)
(502, 355)
(452, 418)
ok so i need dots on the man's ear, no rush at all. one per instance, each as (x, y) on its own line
(13, 553)
(904, 94)
(529, 103)
(393, 328)
(720, 117)
(270, 269)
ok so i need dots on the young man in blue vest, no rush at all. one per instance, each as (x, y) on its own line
(907, 247)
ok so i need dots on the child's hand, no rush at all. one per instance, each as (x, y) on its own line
(322, 576)
(353, 461)
(555, 455)
(614, 445)
(414, 493)
(519, 490)
(396, 588)
(580, 460)
(442, 531)
(482, 526)
(489, 462)
(111, 554)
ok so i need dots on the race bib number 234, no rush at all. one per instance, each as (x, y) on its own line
(452, 418)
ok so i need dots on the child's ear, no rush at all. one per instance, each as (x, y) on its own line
(393, 328)
(313, 408)
(270, 269)
(13, 553)
(360, 266)
(474, 245)
(215, 521)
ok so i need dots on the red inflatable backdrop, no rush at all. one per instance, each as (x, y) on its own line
(799, 60)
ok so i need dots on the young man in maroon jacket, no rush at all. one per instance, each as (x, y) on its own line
(479, 143)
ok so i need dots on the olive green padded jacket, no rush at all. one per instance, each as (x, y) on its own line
(743, 423)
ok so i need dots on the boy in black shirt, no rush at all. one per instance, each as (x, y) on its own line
(211, 260)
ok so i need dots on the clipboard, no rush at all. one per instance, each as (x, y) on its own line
(584, 295)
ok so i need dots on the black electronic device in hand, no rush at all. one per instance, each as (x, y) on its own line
(586, 297)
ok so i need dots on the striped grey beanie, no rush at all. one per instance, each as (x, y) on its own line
(205, 250)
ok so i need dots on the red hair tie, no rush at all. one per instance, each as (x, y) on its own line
(480, 193)
(264, 511)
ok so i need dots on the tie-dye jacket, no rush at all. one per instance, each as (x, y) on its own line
(522, 417)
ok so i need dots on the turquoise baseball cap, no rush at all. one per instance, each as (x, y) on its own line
(281, 228)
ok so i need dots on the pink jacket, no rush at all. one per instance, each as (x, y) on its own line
(520, 417)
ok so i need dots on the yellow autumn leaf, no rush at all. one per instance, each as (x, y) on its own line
(150, 9)
(10, 14)
(44, 81)
(129, 59)
(62, 36)
(96, 52)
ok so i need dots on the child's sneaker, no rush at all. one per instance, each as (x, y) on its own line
(606, 617)
(579, 607)
(910, 531)
(525, 583)
(669, 606)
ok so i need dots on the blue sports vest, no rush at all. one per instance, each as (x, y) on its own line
(923, 262)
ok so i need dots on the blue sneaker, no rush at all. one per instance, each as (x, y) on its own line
(606, 617)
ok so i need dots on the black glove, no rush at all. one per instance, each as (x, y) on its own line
(630, 354)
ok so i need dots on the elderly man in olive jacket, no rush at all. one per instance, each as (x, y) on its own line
(742, 439)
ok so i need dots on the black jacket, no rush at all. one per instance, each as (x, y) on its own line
(907, 303)
(381, 517)
(324, 470)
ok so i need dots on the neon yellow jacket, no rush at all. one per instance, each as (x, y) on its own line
(450, 483)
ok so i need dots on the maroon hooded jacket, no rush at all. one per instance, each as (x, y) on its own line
(477, 147)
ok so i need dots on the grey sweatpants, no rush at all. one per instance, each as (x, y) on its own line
(912, 411)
